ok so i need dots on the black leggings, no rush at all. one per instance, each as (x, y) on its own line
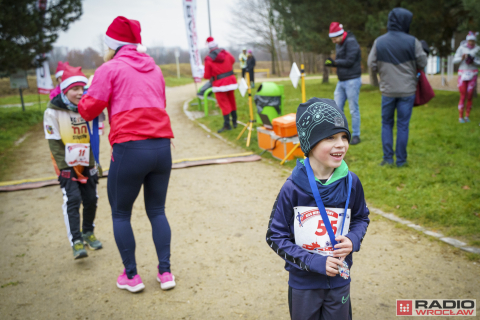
(136, 163)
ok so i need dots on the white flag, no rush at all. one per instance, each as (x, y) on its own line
(44, 81)
(295, 75)
(243, 87)
(190, 13)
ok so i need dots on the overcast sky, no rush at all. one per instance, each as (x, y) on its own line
(162, 22)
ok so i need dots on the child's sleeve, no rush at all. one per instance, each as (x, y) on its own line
(359, 221)
(52, 134)
(282, 241)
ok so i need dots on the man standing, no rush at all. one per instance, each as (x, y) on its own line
(396, 56)
(242, 57)
(347, 61)
(219, 69)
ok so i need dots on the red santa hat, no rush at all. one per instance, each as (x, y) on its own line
(123, 31)
(72, 76)
(60, 68)
(211, 43)
(336, 29)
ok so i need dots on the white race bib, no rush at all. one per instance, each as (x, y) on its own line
(310, 231)
(77, 154)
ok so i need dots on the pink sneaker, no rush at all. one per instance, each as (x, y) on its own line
(132, 285)
(167, 280)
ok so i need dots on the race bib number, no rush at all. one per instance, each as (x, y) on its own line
(77, 154)
(310, 231)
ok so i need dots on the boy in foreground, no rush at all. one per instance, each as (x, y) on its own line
(318, 255)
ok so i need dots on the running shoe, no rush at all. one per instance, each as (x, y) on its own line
(461, 120)
(167, 280)
(91, 241)
(79, 251)
(133, 285)
(466, 119)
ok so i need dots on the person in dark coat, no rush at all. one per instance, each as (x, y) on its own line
(396, 56)
(347, 61)
(251, 67)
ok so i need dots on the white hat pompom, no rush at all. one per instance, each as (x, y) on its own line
(141, 48)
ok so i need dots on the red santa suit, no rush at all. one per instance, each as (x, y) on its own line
(219, 69)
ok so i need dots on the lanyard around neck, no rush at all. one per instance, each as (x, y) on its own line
(321, 207)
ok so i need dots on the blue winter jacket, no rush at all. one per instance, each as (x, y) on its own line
(308, 270)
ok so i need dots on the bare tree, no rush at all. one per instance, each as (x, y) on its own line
(256, 24)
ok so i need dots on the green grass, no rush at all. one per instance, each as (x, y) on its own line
(440, 189)
(15, 99)
(174, 81)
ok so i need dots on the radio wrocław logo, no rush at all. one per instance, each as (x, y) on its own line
(436, 307)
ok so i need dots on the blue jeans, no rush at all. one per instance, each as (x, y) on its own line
(350, 89)
(136, 163)
(404, 108)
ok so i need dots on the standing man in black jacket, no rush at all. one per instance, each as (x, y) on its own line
(349, 73)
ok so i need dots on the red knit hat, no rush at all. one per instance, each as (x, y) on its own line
(336, 29)
(72, 76)
(60, 67)
(123, 31)
(211, 43)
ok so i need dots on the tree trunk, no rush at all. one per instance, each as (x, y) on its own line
(325, 69)
(290, 54)
(272, 52)
(373, 77)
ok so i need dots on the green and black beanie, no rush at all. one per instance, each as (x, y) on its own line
(318, 119)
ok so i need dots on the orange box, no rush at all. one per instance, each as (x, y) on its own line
(284, 145)
(264, 138)
(285, 126)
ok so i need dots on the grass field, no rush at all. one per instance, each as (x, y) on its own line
(440, 188)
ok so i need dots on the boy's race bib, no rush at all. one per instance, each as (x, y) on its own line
(310, 231)
(77, 154)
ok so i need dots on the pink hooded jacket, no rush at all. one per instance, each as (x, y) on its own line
(55, 92)
(132, 88)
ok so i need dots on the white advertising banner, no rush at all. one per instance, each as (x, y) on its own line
(190, 12)
(44, 81)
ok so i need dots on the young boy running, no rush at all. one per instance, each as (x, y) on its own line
(318, 255)
(69, 142)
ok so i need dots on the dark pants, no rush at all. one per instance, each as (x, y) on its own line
(404, 108)
(136, 163)
(244, 70)
(320, 304)
(74, 194)
(251, 72)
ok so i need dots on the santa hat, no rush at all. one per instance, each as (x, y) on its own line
(336, 29)
(123, 31)
(211, 43)
(72, 76)
(60, 67)
(472, 36)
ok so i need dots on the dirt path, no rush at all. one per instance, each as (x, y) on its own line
(224, 269)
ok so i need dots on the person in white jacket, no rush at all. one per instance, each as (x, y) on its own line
(468, 55)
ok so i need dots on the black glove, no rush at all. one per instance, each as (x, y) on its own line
(330, 63)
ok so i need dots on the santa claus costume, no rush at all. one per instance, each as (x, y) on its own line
(219, 69)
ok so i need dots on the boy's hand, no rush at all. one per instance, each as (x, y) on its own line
(344, 247)
(331, 266)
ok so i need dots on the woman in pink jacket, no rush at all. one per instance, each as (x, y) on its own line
(132, 89)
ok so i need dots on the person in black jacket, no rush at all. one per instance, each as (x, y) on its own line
(349, 73)
(251, 67)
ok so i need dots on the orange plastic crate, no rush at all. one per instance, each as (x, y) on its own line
(264, 138)
(284, 145)
(285, 126)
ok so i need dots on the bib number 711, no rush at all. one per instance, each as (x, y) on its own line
(322, 230)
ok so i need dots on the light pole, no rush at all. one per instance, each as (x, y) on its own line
(209, 23)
